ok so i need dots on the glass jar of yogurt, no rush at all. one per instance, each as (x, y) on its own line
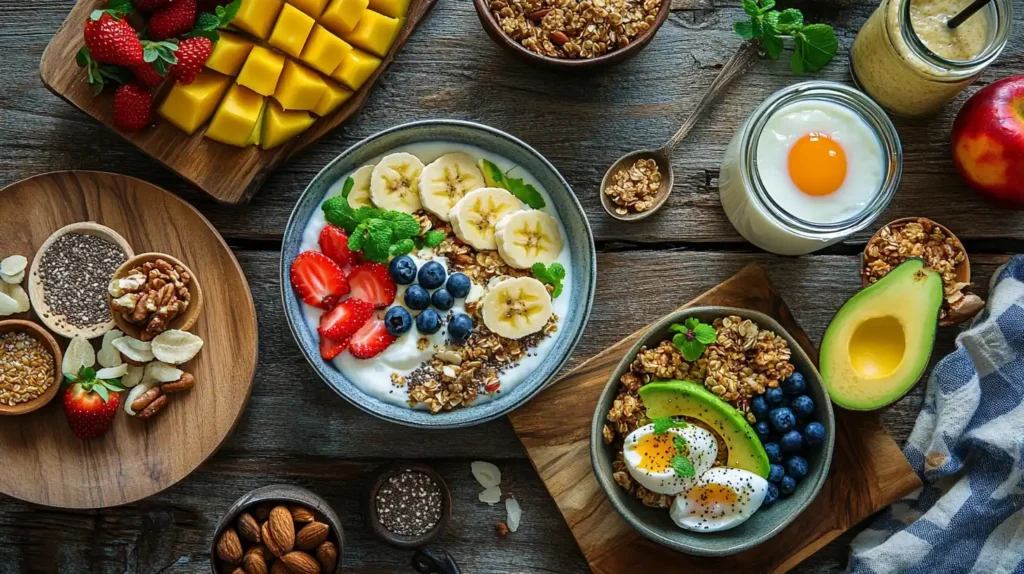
(815, 163)
(912, 63)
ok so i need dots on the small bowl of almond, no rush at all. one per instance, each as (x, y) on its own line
(278, 528)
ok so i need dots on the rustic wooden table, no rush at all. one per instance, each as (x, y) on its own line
(298, 431)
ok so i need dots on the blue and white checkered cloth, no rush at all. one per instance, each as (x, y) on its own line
(968, 448)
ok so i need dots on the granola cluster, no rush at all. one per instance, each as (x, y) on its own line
(574, 29)
(636, 187)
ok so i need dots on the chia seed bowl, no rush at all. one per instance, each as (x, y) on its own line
(410, 498)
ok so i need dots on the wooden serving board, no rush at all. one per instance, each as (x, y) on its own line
(42, 461)
(230, 174)
(868, 469)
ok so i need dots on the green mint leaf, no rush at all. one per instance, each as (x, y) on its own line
(551, 275)
(677, 328)
(662, 424)
(540, 271)
(401, 248)
(683, 467)
(772, 46)
(205, 23)
(680, 443)
(346, 188)
(102, 392)
(557, 271)
(379, 233)
(770, 23)
(691, 349)
(338, 212)
(706, 334)
(691, 323)
(816, 44)
(357, 238)
(228, 12)
(525, 192)
(745, 30)
(434, 237)
(557, 290)
(492, 174)
(751, 8)
(767, 5)
(679, 339)
(403, 225)
(789, 18)
(367, 213)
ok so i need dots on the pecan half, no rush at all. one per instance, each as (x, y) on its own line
(153, 407)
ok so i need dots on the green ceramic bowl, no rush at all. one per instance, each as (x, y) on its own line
(654, 523)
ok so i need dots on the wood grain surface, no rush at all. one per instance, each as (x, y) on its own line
(230, 174)
(42, 461)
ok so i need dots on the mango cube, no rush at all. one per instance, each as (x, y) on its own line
(312, 7)
(299, 88)
(324, 50)
(291, 31)
(257, 130)
(393, 8)
(355, 68)
(236, 116)
(280, 125)
(188, 106)
(333, 97)
(374, 33)
(257, 16)
(261, 70)
(229, 53)
(341, 16)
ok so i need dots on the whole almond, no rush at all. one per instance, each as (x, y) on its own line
(302, 515)
(327, 555)
(254, 563)
(558, 38)
(248, 528)
(282, 530)
(311, 535)
(301, 563)
(229, 548)
(260, 513)
(269, 542)
(280, 567)
(238, 570)
(538, 15)
(260, 549)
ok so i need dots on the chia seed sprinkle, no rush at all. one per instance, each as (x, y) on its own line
(409, 503)
(75, 271)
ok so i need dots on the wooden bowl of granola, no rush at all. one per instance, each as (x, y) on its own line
(182, 321)
(940, 250)
(12, 327)
(545, 30)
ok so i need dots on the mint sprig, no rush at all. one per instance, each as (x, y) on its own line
(523, 191)
(663, 424)
(692, 337)
(551, 274)
(815, 44)
(680, 462)
(207, 23)
(379, 233)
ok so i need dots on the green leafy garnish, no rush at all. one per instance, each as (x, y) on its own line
(162, 55)
(815, 44)
(379, 233)
(523, 191)
(116, 8)
(207, 23)
(552, 275)
(346, 188)
(663, 424)
(86, 377)
(692, 337)
(680, 462)
(434, 237)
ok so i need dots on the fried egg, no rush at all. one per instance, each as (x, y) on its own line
(820, 161)
(722, 498)
(648, 457)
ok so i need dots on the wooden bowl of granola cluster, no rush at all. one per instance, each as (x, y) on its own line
(909, 237)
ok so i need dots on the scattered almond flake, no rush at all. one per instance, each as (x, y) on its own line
(8, 306)
(17, 293)
(133, 376)
(486, 474)
(515, 513)
(175, 346)
(162, 372)
(490, 495)
(112, 372)
(134, 349)
(78, 354)
(108, 355)
(13, 265)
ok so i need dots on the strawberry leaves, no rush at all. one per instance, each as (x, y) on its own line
(116, 8)
(86, 378)
(100, 74)
(162, 55)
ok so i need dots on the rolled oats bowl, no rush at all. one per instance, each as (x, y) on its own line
(650, 360)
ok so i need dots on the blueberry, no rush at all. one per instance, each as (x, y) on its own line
(775, 472)
(442, 299)
(771, 494)
(796, 467)
(428, 322)
(460, 327)
(458, 285)
(787, 485)
(814, 434)
(802, 406)
(402, 270)
(762, 431)
(774, 452)
(431, 275)
(759, 407)
(782, 419)
(791, 442)
(794, 385)
(417, 298)
(398, 321)
(773, 396)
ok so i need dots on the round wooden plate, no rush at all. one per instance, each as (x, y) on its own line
(43, 462)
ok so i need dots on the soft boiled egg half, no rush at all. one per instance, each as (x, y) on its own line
(722, 498)
(820, 161)
(648, 457)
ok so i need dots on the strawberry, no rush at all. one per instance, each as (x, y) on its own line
(151, 5)
(147, 75)
(330, 348)
(346, 318)
(370, 340)
(173, 21)
(192, 54)
(132, 106)
(318, 280)
(372, 282)
(112, 41)
(90, 403)
(334, 244)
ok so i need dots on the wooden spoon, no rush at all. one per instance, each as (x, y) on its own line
(745, 56)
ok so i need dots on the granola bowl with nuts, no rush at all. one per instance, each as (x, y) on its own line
(714, 432)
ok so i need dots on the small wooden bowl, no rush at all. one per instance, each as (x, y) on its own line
(270, 496)
(373, 519)
(493, 29)
(41, 335)
(36, 292)
(664, 186)
(183, 322)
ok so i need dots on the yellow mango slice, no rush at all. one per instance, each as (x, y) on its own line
(333, 97)
(257, 16)
(393, 8)
(261, 70)
(229, 53)
(236, 116)
(341, 16)
(290, 32)
(189, 106)
(355, 68)
(312, 7)
(280, 125)
(374, 33)
(299, 88)
(324, 51)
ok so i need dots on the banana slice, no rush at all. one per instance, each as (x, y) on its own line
(446, 180)
(528, 237)
(359, 195)
(395, 182)
(516, 308)
(474, 216)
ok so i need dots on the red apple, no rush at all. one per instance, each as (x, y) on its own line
(988, 142)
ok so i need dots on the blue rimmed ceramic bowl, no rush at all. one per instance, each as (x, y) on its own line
(578, 237)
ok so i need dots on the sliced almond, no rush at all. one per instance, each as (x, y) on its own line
(133, 376)
(175, 346)
(486, 473)
(78, 354)
(134, 349)
(162, 372)
(13, 265)
(108, 355)
(13, 279)
(117, 372)
(8, 306)
(20, 297)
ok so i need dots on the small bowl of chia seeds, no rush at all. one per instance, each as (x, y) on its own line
(408, 505)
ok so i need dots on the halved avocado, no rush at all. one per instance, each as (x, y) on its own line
(683, 398)
(878, 344)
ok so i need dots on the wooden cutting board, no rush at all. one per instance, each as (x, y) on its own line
(868, 469)
(229, 174)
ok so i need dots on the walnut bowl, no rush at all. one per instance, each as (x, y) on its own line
(183, 321)
(50, 344)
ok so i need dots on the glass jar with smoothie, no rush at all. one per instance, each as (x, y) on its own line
(815, 163)
(910, 62)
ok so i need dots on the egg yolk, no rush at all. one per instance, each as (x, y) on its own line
(656, 452)
(817, 164)
(711, 494)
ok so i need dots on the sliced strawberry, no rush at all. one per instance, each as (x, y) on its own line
(334, 244)
(370, 340)
(372, 282)
(318, 280)
(330, 348)
(346, 318)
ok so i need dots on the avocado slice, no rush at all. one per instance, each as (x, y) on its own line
(878, 344)
(684, 398)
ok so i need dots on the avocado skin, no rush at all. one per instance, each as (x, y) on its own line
(685, 398)
(913, 294)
